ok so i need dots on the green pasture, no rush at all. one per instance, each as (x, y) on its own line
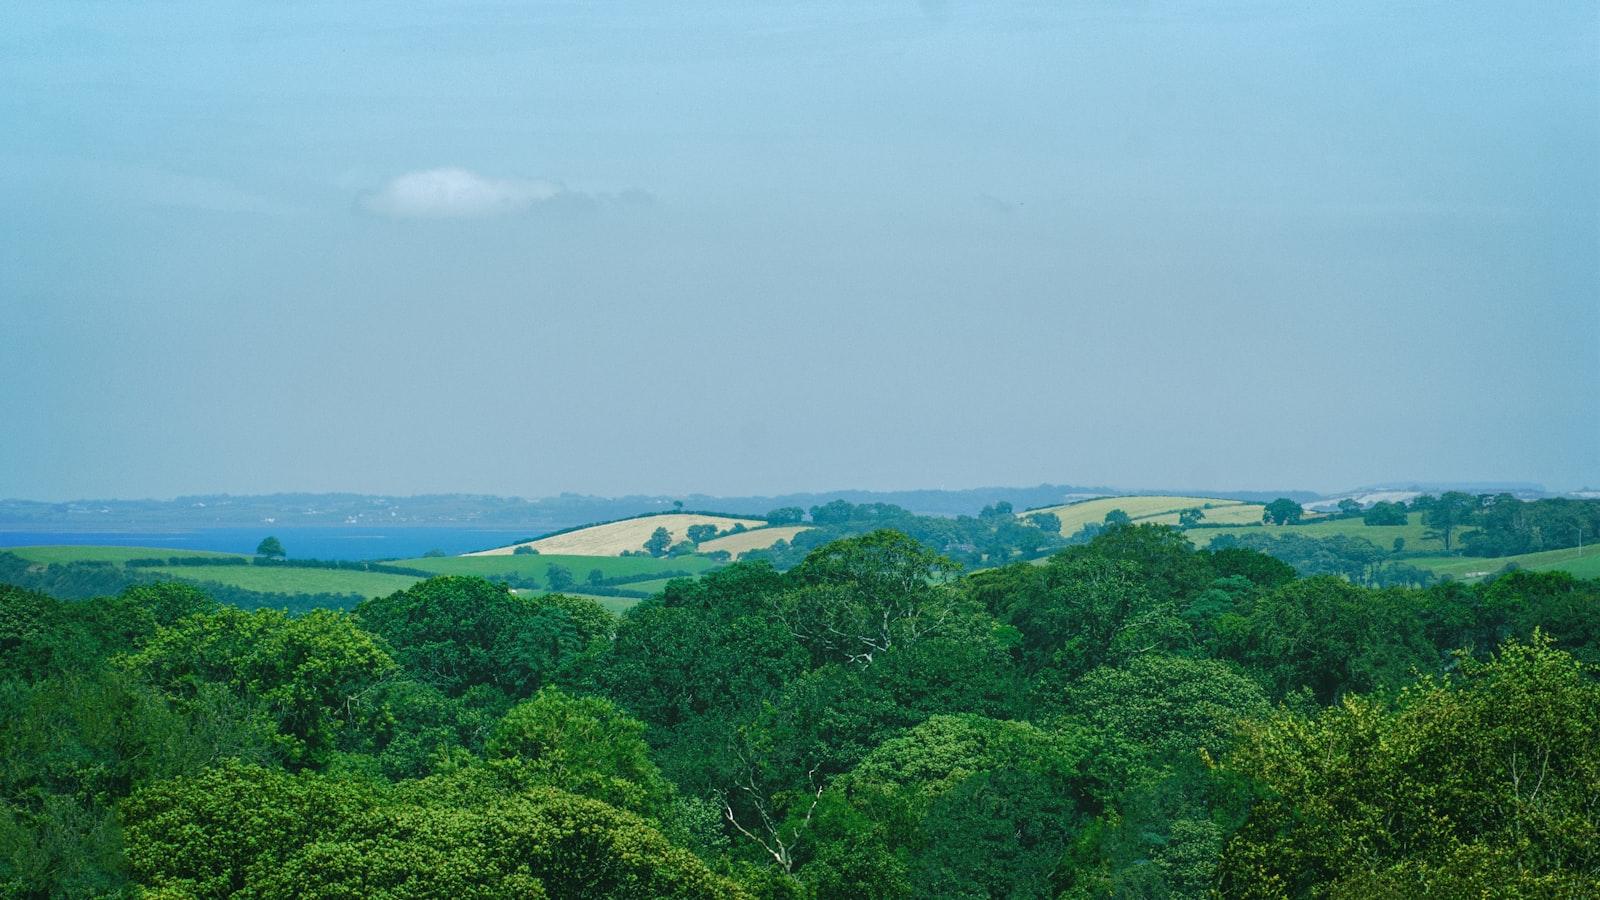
(649, 587)
(1583, 564)
(71, 553)
(285, 580)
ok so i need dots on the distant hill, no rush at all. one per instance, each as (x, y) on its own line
(1154, 510)
(615, 538)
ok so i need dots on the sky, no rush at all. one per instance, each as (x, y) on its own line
(741, 248)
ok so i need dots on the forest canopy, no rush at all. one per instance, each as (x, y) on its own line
(1129, 717)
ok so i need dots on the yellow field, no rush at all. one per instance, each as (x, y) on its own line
(758, 539)
(612, 538)
(1150, 510)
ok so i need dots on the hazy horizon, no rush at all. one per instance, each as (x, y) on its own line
(1109, 489)
(733, 250)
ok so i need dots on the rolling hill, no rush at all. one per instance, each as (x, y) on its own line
(613, 538)
(755, 539)
(1583, 563)
(1159, 510)
(291, 580)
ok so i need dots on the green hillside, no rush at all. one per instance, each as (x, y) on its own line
(1382, 535)
(1152, 510)
(1583, 564)
(290, 580)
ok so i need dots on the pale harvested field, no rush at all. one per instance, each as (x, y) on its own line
(1149, 510)
(758, 539)
(1236, 514)
(612, 538)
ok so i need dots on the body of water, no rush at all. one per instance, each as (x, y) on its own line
(301, 543)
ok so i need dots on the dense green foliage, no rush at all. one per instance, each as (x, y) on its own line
(1129, 718)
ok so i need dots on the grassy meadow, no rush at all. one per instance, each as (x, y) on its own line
(287, 580)
(1583, 564)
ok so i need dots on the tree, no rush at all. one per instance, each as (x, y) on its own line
(525, 550)
(270, 548)
(1050, 523)
(858, 597)
(1090, 611)
(584, 745)
(1482, 785)
(1167, 706)
(1000, 510)
(596, 577)
(1452, 510)
(1191, 517)
(976, 807)
(786, 515)
(1349, 508)
(835, 512)
(1329, 636)
(784, 755)
(558, 577)
(249, 831)
(1116, 518)
(699, 534)
(1385, 513)
(1282, 511)
(458, 633)
(659, 541)
(309, 675)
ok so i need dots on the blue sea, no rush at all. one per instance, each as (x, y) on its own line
(301, 543)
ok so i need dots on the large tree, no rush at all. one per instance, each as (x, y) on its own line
(312, 675)
(459, 632)
(1483, 785)
(1444, 516)
(658, 542)
(1282, 511)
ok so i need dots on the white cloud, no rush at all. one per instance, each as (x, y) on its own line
(457, 194)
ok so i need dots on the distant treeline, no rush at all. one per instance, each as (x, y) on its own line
(1353, 558)
(559, 578)
(995, 536)
(1507, 526)
(346, 565)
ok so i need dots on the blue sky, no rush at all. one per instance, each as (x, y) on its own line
(741, 248)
